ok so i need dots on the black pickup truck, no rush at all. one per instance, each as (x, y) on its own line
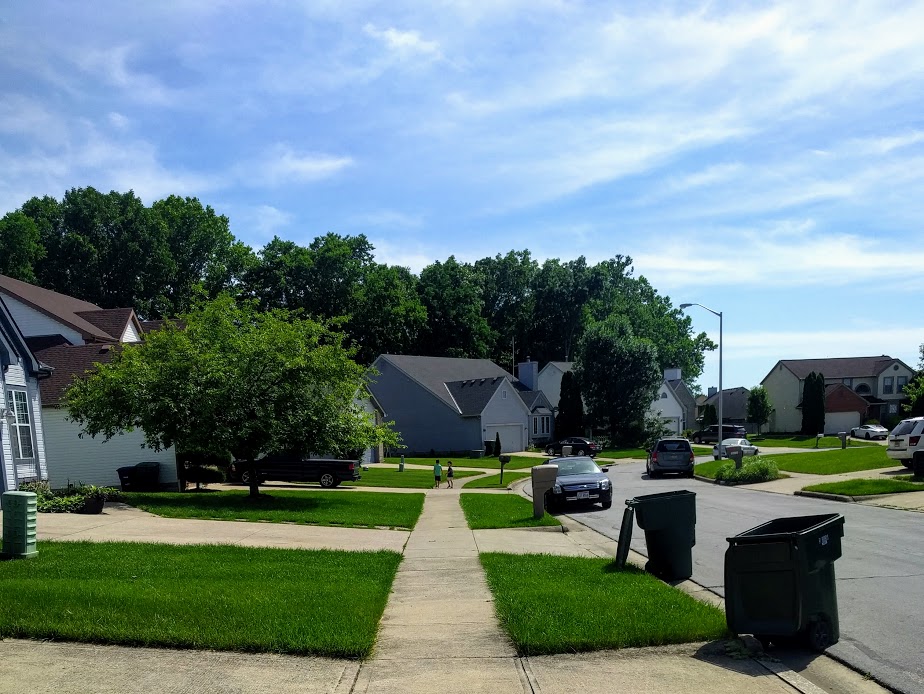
(289, 467)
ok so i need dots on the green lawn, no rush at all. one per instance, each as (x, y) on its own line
(316, 602)
(409, 479)
(493, 481)
(315, 507)
(617, 453)
(708, 469)
(553, 604)
(833, 462)
(517, 462)
(866, 487)
(798, 441)
(501, 511)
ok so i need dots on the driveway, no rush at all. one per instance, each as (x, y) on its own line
(879, 577)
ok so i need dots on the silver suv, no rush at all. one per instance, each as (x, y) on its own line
(906, 442)
(670, 455)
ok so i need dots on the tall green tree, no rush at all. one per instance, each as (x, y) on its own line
(451, 294)
(235, 381)
(560, 294)
(20, 246)
(570, 418)
(388, 316)
(915, 390)
(507, 301)
(710, 416)
(108, 249)
(619, 376)
(759, 406)
(813, 404)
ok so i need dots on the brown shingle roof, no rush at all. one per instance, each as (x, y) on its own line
(59, 306)
(112, 321)
(68, 362)
(839, 367)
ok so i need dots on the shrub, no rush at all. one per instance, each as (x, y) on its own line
(688, 433)
(752, 471)
(68, 500)
(204, 474)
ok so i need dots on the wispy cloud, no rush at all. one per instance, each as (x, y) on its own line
(405, 43)
(282, 165)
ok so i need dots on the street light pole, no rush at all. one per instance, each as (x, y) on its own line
(721, 420)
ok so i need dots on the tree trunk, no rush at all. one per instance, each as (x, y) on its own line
(254, 479)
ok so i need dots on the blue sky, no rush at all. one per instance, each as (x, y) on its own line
(763, 159)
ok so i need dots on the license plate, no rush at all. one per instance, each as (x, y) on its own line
(583, 495)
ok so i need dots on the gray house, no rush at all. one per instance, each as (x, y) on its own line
(444, 404)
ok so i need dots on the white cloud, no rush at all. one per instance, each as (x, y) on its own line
(389, 218)
(404, 43)
(870, 339)
(268, 219)
(112, 65)
(282, 165)
(409, 254)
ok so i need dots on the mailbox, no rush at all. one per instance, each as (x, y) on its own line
(565, 451)
(842, 435)
(735, 453)
(543, 477)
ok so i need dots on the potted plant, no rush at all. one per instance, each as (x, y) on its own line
(93, 498)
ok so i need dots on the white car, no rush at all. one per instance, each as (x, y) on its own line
(906, 442)
(747, 448)
(869, 431)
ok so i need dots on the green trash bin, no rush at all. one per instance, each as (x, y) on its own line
(779, 580)
(669, 522)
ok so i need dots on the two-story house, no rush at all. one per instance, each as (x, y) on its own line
(857, 389)
(71, 336)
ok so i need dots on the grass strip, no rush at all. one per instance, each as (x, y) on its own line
(409, 479)
(833, 462)
(799, 441)
(313, 507)
(501, 511)
(866, 487)
(618, 453)
(305, 602)
(517, 462)
(552, 604)
(493, 481)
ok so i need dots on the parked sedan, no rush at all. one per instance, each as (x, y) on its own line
(869, 431)
(747, 448)
(579, 481)
(579, 446)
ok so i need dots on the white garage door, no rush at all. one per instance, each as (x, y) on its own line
(841, 421)
(511, 436)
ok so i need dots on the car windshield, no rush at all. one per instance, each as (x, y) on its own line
(673, 446)
(735, 442)
(576, 466)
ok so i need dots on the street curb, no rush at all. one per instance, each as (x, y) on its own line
(832, 497)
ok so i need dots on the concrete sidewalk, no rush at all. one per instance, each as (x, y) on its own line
(439, 632)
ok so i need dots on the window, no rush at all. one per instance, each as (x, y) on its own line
(546, 425)
(535, 425)
(848, 382)
(664, 396)
(901, 383)
(863, 389)
(887, 385)
(21, 426)
(893, 408)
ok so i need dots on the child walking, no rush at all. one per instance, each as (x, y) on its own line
(449, 473)
(437, 474)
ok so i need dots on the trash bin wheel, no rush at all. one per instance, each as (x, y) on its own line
(765, 640)
(819, 633)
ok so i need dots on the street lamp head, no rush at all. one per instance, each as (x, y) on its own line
(685, 305)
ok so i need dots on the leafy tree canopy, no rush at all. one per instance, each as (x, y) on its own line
(20, 246)
(451, 295)
(759, 406)
(234, 381)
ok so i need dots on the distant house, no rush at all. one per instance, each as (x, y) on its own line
(22, 436)
(675, 402)
(734, 406)
(856, 389)
(72, 336)
(549, 381)
(444, 404)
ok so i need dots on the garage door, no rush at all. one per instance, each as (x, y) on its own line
(841, 421)
(511, 436)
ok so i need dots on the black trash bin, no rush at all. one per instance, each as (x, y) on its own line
(143, 477)
(779, 580)
(669, 522)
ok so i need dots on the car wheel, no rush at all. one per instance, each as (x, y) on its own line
(696, 439)
(245, 477)
(581, 451)
(867, 436)
(328, 481)
(607, 504)
(550, 451)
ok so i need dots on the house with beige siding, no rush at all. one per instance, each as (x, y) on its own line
(857, 389)
(72, 336)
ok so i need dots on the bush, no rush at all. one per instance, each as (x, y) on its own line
(688, 433)
(752, 471)
(69, 500)
(204, 474)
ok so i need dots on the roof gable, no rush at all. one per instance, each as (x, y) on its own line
(112, 321)
(69, 362)
(61, 307)
(433, 373)
(562, 366)
(15, 338)
(838, 367)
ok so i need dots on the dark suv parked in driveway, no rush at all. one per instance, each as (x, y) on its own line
(289, 467)
(711, 434)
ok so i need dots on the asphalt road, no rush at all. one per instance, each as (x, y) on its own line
(880, 577)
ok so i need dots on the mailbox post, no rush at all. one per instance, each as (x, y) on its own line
(401, 465)
(842, 435)
(504, 459)
(565, 451)
(735, 453)
(543, 478)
